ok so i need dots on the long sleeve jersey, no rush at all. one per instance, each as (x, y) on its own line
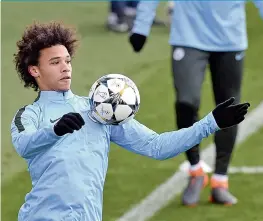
(68, 172)
(205, 25)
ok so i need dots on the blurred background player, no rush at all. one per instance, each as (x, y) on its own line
(122, 14)
(203, 33)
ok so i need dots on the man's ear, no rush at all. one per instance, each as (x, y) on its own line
(33, 70)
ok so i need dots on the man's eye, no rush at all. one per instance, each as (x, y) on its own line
(68, 62)
(54, 62)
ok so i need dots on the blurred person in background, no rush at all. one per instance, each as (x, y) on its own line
(122, 14)
(202, 33)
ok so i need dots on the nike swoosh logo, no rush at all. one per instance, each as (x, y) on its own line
(53, 121)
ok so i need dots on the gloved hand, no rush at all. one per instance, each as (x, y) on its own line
(228, 115)
(137, 41)
(68, 123)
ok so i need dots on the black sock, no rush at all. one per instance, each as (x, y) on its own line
(224, 140)
(186, 116)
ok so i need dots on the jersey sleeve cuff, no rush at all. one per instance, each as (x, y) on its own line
(213, 125)
(50, 133)
(141, 28)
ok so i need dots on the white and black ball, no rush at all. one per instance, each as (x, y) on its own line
(114, 99)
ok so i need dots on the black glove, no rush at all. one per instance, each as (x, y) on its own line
(228, 115)
(137, 41)
(68, 123)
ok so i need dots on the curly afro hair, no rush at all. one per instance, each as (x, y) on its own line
(36, 37)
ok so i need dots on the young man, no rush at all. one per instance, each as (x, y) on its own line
(203, 32)
(66, 151)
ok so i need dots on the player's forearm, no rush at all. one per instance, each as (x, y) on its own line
(170, 144)
(28, 144)
(259, 5)
(145, 15)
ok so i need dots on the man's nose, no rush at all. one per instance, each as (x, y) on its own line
(65, 67)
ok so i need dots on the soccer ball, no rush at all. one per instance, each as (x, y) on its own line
(114, 99)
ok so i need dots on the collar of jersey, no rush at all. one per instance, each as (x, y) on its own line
(54, 95)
